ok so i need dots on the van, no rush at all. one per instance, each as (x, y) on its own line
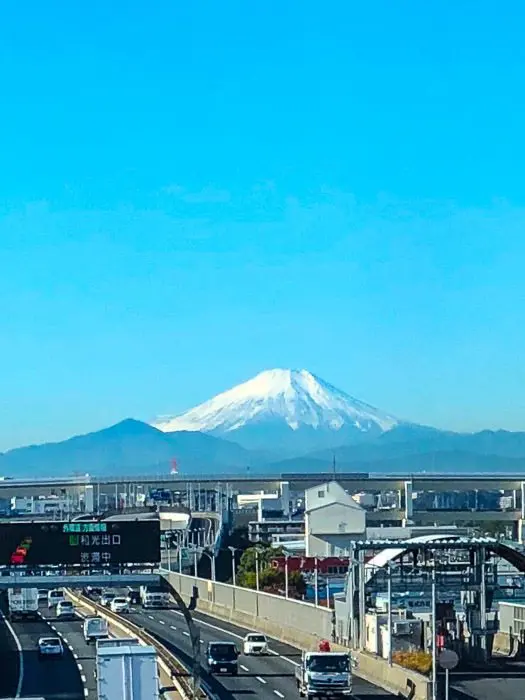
(222, 657)
(95, 628)
(55, 597)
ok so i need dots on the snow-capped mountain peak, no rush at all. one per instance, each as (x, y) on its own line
(295, 398)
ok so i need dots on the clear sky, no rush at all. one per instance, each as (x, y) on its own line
(191, 192)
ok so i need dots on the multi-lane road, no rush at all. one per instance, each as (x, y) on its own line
(263, 678)
(24, 674)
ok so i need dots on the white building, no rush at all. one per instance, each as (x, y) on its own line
(332, 520)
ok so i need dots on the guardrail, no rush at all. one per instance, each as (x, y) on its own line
(172, 665)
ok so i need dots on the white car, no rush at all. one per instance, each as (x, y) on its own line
(255, 643)
(50, 646)
(55, 597)
(106, 598)
(66, 610)
(119, 605)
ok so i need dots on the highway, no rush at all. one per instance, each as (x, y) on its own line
(504, 681)
(24, 674)
(261, 677)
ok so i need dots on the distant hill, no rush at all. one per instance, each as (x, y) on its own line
(130, 447)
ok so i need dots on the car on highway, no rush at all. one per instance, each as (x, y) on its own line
(222, 657)
(254, 643)
(106, 598)
(66, 610)
(42, 594)
(49, 647)
(133, 597)
(119, 605)
(55, 597)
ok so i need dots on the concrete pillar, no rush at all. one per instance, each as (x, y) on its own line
(409, 509)
(521, 530)
(284, 488)
(523, 500)
(514, 499)
(89, 499)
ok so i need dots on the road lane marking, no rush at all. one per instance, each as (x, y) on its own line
(83, 679)
(75, 656)
(173, 627)
(20, 655)
(79, 667)
(86, 692)
(186, 634)
(162, 622)
(261, 680)
(237, 636)
(244, 668)
(279, 695)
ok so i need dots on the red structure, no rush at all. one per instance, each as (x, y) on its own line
(325, 566)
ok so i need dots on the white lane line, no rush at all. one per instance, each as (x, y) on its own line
(201, 641)
(279, 695)
(186, 634)
(86, 692)
(20, 655)
(79, 667)
(172, 627)
(244, 668)
(151, 617)
(162, 622)
(261, 680)
(75, 656)
(83, 679)
(237, 636)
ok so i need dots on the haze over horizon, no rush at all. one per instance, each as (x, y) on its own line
(190, 197)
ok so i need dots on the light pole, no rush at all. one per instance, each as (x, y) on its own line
(211, 557)
(195, 563)
(286, 556)
(316, 581)
(257, 570)
(434, 632)
(233, 550)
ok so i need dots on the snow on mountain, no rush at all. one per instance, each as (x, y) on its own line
(295, 399)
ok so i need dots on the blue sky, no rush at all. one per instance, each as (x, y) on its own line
(193, 192)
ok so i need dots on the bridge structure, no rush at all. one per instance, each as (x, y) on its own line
(403, 511)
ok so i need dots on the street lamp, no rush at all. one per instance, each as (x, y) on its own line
(286, 557)
(233, 550)
(211, 557)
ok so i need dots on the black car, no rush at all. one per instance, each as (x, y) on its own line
(222, 657)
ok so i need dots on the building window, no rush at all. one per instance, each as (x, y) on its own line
(320, 494)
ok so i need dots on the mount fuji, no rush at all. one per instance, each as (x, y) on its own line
(285, 410)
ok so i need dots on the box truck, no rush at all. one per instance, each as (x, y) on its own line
(127, 673)
(23, 603)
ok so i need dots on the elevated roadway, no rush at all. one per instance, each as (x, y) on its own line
(254, 482)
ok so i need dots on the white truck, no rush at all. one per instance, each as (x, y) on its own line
(324, 673)
(95, 628)
(23, 603)
(127, 673)
(154, 597)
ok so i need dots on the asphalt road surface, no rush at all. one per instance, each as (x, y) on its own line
(25, 674)
(260, 678)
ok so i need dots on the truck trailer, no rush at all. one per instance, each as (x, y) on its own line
(23, 603)
(127, 673)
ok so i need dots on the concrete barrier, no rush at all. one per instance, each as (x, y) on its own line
(393, 678)
(298, 623)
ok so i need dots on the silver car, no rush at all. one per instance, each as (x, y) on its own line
(49, 647)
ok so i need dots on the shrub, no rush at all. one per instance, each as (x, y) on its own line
(419, 661)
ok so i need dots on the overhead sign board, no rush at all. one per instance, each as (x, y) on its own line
(89, 544)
